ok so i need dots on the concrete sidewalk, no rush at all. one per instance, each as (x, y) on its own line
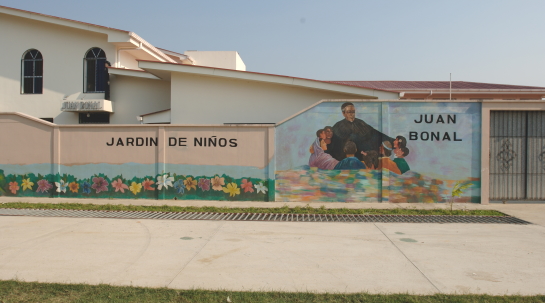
(295, 256)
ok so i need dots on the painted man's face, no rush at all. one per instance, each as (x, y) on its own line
(349, 113)
(328, 133)
(398, 152)
(396, 143)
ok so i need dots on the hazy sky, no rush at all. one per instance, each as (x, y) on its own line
(492, 41)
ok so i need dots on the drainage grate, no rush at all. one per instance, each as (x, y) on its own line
(258, 216)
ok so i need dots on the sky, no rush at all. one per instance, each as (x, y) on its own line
(491, 41)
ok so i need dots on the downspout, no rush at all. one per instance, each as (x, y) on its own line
(431, 93)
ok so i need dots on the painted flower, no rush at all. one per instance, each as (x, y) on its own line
(190, 183)
(164, 181)
(14, 187)
(247, 186)
(135, 187)
(147, 184)
(179, 186)
(231, 189)
(261, 188)
(74, 187)
(204, 184)
(119, 185)
(44, 186)
(86, 189)
(217, 183)
(26, 184)
(99, 184)
(61, 186)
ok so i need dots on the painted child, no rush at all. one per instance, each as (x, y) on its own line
(385, 162)
(401, 153)
(350, 162)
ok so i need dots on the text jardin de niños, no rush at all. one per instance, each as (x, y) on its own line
(173, 141)
(434, 136)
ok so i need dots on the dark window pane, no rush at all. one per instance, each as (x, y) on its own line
(38, 68)
(91, 74)
(38, 81)
(101, 75)
(39, 55)
(90, 54)
(94, 118)
(28, 85)
(28, 68)
(28, 55)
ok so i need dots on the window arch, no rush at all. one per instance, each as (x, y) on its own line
(32, 70)
(95, 71)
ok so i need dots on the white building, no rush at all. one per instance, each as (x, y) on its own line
(52, 68)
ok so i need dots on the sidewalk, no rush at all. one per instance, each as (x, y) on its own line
(285, 256)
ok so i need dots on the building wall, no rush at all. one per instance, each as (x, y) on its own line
(220, 59)
(444, 153)
(133, 96)
(126, 60)
(215, 100)
(140, 161)
(63, 50)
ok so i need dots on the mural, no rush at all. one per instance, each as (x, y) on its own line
(380, 151)
(163, 186)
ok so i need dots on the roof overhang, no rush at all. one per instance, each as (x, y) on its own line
(164, 71)
(131, 73)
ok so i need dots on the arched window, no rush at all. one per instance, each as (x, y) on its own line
(95, 71)
(32, 72)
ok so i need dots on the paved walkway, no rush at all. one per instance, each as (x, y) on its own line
(286, 256)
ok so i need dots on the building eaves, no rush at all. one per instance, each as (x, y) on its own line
(264, 77)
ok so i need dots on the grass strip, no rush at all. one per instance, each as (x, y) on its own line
(17, 291)
(276, 210)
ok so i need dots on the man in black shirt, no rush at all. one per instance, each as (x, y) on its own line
(353, 129)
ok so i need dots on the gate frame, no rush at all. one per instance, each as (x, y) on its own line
(498, 105)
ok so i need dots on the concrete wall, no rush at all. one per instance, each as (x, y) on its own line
(63, 50)
(133, 96)
(215, 100)
(220, 59)
(137, 161)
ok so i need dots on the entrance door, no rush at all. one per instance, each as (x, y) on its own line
(517, 155)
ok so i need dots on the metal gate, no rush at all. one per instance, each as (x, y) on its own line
(517, 155)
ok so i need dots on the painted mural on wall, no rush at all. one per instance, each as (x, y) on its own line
(163, 186)
(372, 151)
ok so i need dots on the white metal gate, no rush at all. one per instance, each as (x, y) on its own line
(517, 155)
